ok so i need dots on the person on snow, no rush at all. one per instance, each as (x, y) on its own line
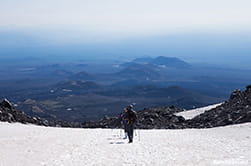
(131, 118)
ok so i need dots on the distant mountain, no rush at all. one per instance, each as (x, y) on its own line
(165, 61)
(170, 62)
(77, 85)
(82, 76)
(140, 71)
(145, 59)
(129, 64)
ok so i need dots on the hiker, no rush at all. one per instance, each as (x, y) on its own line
(131, 118)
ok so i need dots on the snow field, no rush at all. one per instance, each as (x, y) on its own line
(189, 114)
(29, 145)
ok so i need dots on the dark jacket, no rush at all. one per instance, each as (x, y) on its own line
(131, 116)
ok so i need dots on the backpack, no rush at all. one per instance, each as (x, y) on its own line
(132, 116)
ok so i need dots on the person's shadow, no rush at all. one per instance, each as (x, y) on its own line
(114, 142)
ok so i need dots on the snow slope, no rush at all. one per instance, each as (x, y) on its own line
(29, 145)
(189, 114)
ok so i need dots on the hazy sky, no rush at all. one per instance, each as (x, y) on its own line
(200, 30)
(125, 18)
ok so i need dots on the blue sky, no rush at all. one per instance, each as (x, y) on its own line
(183, 28)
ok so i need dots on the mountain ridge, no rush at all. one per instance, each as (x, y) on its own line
(234, 111)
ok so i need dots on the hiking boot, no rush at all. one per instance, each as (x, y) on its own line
(125, 136)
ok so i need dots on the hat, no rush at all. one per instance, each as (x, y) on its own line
(129, 107)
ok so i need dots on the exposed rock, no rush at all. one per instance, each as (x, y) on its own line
(161, 118)
(248, 87)
(236, 110)
(9, 114)
(236, 93)
(6, 103)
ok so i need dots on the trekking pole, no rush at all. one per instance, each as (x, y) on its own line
(112, 132)
(120, 133)
(139, 135)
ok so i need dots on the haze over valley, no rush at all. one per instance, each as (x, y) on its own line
(81, 90)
